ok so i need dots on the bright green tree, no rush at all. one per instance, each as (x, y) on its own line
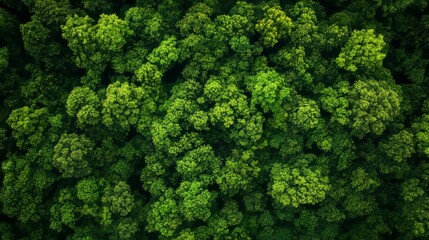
(374, 105)
(71, 155)
(274, 26)
(363, 51)
(294, 186)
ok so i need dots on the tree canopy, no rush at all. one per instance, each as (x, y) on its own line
(214, 119)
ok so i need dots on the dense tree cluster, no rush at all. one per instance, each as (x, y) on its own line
(214, 119)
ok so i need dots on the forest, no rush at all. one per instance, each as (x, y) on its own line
(214, 119)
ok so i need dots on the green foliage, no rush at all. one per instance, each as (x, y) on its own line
(8, 25)
(238, 172)
(335, 101)
(195, 20)
(269, 91)
(374, 104)
(294, 186)
(97, 6)
(195, 201)
(214, 119)
(127, 105)
(37, 40)
(274, 26)
(145, 21)
(306, 114)
(95, 44)
(397, 6)
(71, 155)
(305, 29)
(413, 65)
(163, 215)
(28, 125)
(84, 104)
(88, 191)
(399, 147)
(199, 164)
(421, 128)
(362, 180)
(165, 54)
(119, 199)
(24, 188)
(363, 51)
(52, 12)
(232, 214)
(130, 60)
(64, 212)
(4, 61)
(2, 138)
(127, 228)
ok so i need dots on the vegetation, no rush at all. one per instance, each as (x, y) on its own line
(214, 119)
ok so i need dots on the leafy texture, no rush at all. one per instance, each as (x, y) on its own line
(214, 119)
